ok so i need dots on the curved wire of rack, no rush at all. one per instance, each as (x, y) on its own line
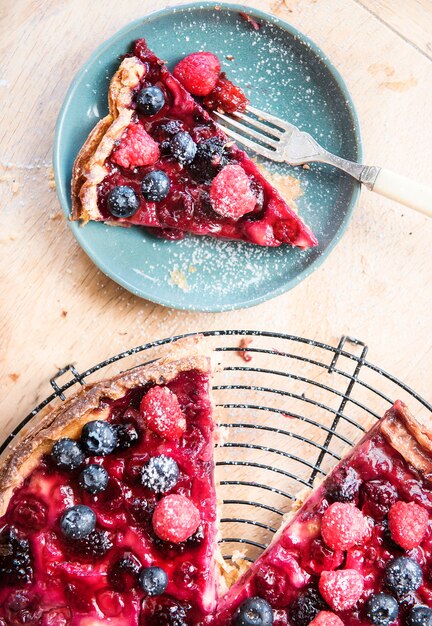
(289, 408)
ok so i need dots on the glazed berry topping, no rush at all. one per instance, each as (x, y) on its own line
(231, 194)
(98, 438)
(123, 573)
(22, 608)
(30, 513)
(77, 522)
(272, 584)
(67, 454)
(343, 485)
(226, 97)
(381, 609)
(419, 616)
(343, 526)
(122, 201)
(254, 612)
(319, 557)
(127, 435)
(15, 558)
(153, 580)
(95, 545)
(155, 186)
(183, 148)
(160, 474)
(341, 589)
(306, 607)
(136, 148)
(171, 613)
(408, 524)
(162, 413)
(326, 618)
(403, 575)
(377, 497)
(198, 72)
(94, 478)
(210, 158)
(175, 518)
(150, 100)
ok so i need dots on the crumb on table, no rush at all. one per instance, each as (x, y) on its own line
(242, 351)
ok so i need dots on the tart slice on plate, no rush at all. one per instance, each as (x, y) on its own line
(159, 161)
(108, 506)
(359, 550)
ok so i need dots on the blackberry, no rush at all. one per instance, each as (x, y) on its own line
(123, 573)
(95, 545)
(343, 485)
(403, 575)
(150, 100)
(307, 606)
(67, 454)
(153, 580)
(15, 558)
(209, 159)
(171, 613)
(98, 438)
(127, 435)
(377, 496)
(381, 609)
(94, 478)
(122, 201)
(254, 612)
(160, 474)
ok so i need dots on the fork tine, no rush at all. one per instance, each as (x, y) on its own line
(249, 131)
(266, 152)
(265, 127)
(271, 118)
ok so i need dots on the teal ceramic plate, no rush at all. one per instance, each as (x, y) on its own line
(282, 72)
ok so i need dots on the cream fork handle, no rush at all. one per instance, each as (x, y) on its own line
(409, 192)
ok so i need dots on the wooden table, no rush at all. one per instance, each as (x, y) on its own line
(57, 308)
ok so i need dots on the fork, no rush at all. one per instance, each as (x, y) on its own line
(281, 141)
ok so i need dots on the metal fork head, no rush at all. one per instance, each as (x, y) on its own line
(270, 136)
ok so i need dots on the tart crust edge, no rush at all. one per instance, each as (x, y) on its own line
(67, 419)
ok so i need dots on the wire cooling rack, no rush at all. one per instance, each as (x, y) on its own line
(289, 408)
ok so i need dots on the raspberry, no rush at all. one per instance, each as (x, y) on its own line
(231, 194)
(162, 413)
(175, 518)
(198, 72)
(408, 523)
(343, 526)
(226, 96)
(136, 148)
(326, 618)
(341, 589)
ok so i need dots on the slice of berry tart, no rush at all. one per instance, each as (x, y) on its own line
(159, 161)
(359, 550)
(108, 507)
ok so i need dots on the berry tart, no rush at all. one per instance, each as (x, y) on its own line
(108, 507)
(359, 550)
(159, 161)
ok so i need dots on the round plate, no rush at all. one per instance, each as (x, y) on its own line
(282, 72)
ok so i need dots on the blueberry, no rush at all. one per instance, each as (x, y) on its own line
(122, 201)
(419, 616)
(15, 558)
(306, 606)
(160, 474)
(153, 580)
(77, 522)
(98, 438)
(381, 609)
(183, 147)
(403, 575)
(343, 485)
(150, 100)
(127, 435)
(95, 545)
(254, 612)
(155, 186)
(209, 159)
(67, 454)
(94, 478)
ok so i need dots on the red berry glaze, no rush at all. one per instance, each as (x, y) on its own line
(343, 526)
(231, 194)
(408, 524)
(226, 97)
(136, 148)
(162, 414)
(341, 589)
(175, 518)
(326, 618)
(198, 72)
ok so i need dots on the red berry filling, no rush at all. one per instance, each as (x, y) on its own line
(226, 97)
(198, 72)
(162, 414)
(408, 524)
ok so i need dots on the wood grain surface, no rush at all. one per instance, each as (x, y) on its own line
(55, 305)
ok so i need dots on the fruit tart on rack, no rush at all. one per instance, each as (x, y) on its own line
(159, 161)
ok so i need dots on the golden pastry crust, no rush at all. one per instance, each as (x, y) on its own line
(67, 419)
(89, 168)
